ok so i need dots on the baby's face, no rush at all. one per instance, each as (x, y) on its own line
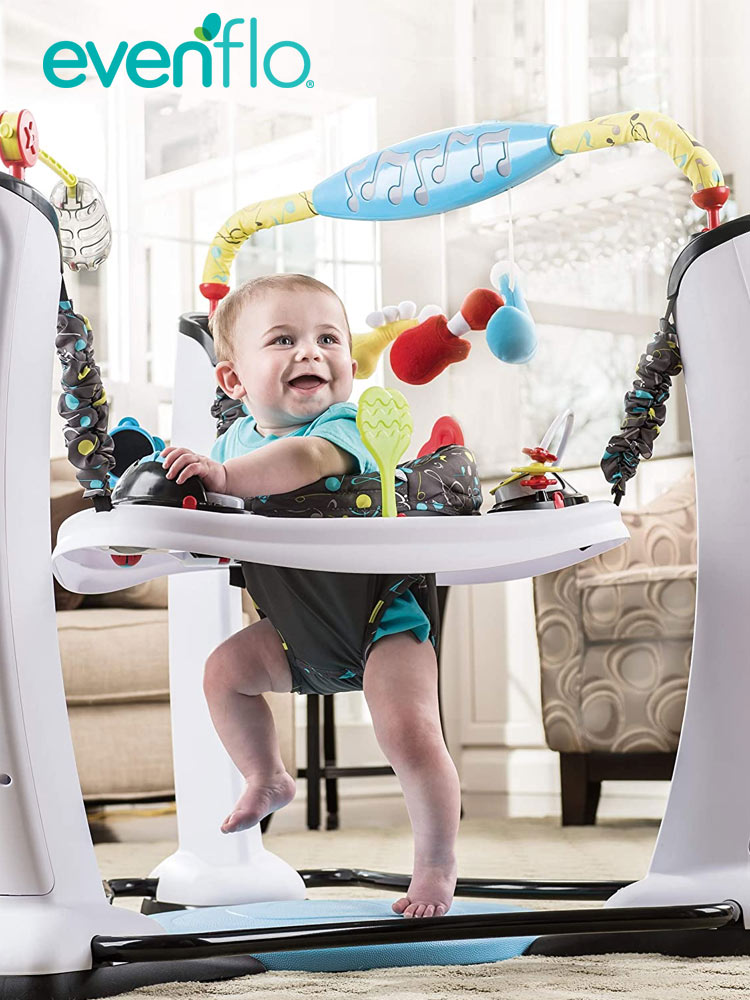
(292, 357)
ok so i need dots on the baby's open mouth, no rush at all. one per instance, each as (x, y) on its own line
(307, 382)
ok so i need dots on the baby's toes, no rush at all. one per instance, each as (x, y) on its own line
(400, 905)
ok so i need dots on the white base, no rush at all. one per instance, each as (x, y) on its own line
(186, 879)
(38, 936)
(689, 889)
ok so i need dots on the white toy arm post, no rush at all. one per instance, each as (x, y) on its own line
(209, 867)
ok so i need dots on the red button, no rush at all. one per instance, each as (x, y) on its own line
(190, 503)
(125, 560)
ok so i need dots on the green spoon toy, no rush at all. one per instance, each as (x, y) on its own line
(384, 422)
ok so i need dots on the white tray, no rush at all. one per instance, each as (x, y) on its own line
(504, 546)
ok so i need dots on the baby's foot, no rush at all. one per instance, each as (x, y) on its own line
(430, 891)
(258, 800)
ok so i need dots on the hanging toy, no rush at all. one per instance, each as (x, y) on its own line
(419, 355)
(85, 230)
(511, 332)
(539, 485)
(387, 324)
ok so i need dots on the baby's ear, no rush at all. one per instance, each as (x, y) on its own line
(229, 380)
(355, 366)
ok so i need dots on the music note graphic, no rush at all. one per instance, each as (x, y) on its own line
(420, 195)
(387, 158)
(439, 172)
(489, 139)
(611, 122)
(352, 202)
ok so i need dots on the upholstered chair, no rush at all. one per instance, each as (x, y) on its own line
(615, 636)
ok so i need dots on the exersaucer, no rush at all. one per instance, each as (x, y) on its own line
(227, 901)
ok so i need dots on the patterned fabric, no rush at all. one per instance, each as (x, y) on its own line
(645, 409)
(83, 402)
(328, 621)
(615, 635)
(225, 411)
(445, 482)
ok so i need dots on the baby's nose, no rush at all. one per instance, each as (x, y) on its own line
(308, 349)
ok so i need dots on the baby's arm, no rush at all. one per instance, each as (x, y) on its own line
(279, 467)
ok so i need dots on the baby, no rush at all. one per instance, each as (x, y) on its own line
(284, 349)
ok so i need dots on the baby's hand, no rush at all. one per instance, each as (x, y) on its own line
(183, 463)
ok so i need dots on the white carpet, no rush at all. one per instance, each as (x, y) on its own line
(498, 848)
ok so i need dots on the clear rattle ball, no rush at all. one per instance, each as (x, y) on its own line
(85, 230)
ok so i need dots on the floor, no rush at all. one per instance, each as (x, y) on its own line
(142, 824)
(158, 822)
(517, 848)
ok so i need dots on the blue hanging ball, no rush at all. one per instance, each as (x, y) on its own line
(511, 335)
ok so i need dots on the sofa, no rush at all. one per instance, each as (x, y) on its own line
(615, 639)
(114, 654)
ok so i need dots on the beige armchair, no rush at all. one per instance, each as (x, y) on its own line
(615, 637)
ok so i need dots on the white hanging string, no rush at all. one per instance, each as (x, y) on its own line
(512, 275)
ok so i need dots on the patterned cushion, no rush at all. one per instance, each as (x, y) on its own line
(445, 482)
(652, 603)
(632, 695)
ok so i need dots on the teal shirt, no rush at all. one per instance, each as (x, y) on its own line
(338, 424)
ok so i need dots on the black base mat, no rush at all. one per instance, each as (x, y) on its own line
(109, 981)
(680, 944)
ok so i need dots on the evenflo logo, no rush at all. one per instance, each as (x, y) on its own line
(150, 64)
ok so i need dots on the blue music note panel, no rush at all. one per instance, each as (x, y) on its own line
(437, 172)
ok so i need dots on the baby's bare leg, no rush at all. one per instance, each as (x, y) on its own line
(400, 685)
(236, 672)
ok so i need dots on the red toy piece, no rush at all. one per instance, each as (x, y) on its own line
(20, 149)
(214, 291)
(711, 201)
(190, 503)
(420, 354)
(540, 455)
(558, 500)
(445, 431)
(538, 482)
(475, 312)
(125, 560)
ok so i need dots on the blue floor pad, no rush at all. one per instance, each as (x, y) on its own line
(320, 911)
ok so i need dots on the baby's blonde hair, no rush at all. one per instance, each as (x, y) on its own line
(223, 323)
